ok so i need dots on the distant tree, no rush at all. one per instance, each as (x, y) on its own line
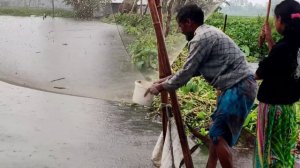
(128, 6)
(85, 8)
(208, 6)
(243, 8)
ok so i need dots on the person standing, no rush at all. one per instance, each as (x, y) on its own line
(279, 90)
(213, 55)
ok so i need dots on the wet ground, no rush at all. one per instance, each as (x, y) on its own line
(46, 130)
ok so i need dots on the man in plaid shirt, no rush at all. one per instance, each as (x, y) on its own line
(213, 55)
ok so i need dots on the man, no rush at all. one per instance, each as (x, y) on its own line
(219, 60)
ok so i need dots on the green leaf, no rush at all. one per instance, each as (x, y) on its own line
(201, 115)
(140, 64)
(246, 50)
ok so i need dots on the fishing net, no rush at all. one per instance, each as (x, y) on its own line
(97, 58)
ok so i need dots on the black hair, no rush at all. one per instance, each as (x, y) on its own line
(192, 12)
(285, 10)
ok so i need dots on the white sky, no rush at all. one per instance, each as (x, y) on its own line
(259, 1)
(262, 2)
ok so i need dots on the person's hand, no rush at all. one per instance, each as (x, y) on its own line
(162, 79)
(266, 36)
(256, 77)
(268, 33)
(262, 37)
(155, 89)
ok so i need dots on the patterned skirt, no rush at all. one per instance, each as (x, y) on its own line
(276, 136)
(234, 105)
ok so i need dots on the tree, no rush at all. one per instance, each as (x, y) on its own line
(52, 8)
(128, 6)
(85, 8)
(169, 16)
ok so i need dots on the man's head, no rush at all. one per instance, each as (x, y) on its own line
(189, 18)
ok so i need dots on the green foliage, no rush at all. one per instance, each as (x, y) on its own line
(143, 50)
(35, 11)
(144, 53)
(245, 32)
(250, 122)
(84, 8)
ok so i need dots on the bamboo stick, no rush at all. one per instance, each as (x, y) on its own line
(159, 9)
(262, 39)
(225, 24)
(268, 11)
(165, 70)
(164, 94)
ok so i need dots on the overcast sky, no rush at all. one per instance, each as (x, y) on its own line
(258, 1)
(263, 2)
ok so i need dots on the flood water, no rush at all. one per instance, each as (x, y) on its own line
(83, 58)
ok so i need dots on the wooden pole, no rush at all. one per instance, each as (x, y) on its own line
(141, 7)
(159, 8)
(262, 39)
(164, 94)
(225, 23)
(165, 69)
(268, 11)
(146, 8)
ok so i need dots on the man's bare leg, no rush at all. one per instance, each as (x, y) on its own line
(212, 156)
(224, 154)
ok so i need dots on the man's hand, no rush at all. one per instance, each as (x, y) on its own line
(163, 79)
(155, 89)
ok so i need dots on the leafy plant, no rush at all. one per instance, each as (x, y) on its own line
(84, 8)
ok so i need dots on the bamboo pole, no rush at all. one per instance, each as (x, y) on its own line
(159, 9)
(225, 23)
(268, 11)
(164, 94)
(165, 69)
(262, 39)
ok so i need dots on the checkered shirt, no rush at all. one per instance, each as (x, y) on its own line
(216, 57)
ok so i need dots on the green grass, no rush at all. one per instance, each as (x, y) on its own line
(35, 11)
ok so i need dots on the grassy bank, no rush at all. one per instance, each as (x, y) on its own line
(35, 11)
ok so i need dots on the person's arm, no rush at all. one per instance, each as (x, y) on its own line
(268, 36)
(163, 79)
(199, 51)
(270, 66)
(181, 77)
(157, 86)
(256, 77)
